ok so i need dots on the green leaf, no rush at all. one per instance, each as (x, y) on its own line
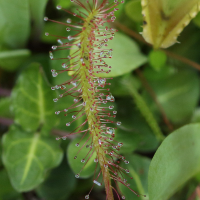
(59, 184)
(14, 23)
(32, 98)
(134, 10)
(157, 59)
(126, 56)
(11, 60)
(138, 167)
(76, 164)
(27, 156)
(178, 95)
(175, 162)
(145, 111)
(165, 20)
(37, 8)
(7, 192)
(5, 104)
(63, 3)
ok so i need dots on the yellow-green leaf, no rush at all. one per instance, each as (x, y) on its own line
(164, 20)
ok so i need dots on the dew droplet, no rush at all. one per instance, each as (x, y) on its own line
(87, 197)
(64, 65)
(54, 47)
(114, 112)
(95, 160)
(111, 107)
(123, 197)
(54, 74)
(64, 137)
(46, 18)
(77, 175)
(51, 55)
(83, 160)
(53, 88)
(77, 144)
(59, 7)
(60, 41)
(55, 100)
(118, 123)
(57, 138)
(127, 171)
(68, 124)
(69, 21)
(69, 37)
(75, 100)
(75, 157)
(57, 112)
(47, 34)
(126, 162)
(68, 29)
(65, 110)
(73, 116)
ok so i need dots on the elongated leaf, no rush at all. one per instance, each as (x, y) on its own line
(175, 162)
(164, 20)
(11, 60)
(14, 23)
(27, 156)
(145, 111)
(138, 169)
(33, 100)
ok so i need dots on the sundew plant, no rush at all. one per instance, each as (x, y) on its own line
(113, 114)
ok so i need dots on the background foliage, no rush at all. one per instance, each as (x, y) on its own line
(157, 98)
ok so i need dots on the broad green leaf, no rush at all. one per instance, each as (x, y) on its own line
(5, 104)
(138, 167)
(37, 8)
(76, 164)
(14, 23)
(59, 184)
(164, 20)
(134, 10)
(178, 95)
(144, 109)
(7, 192)
(196, 20)
(11, 60)
(63, 3)
(32, 97)
(126, 56)
(157, 59)
(27, 156)
(175, 162)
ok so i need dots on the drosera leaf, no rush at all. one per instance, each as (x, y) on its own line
(175, 162)
(134, 10)
(15, 23)
(138, 169)
(11, 60)
(75, 163)
(27, 156)
(165, 20)
(126, 56)
(32, 98)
